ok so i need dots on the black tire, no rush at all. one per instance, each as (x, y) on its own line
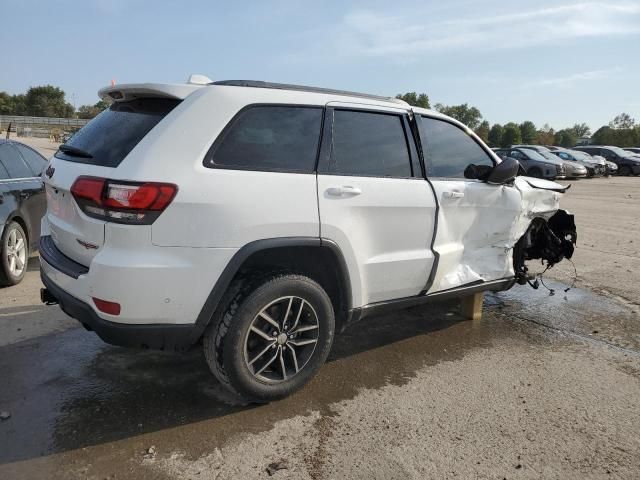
(624, 170)
(228, 335)
(7, 277)
(535, 172)
(590, 172)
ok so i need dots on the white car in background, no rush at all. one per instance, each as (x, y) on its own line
(263, 218)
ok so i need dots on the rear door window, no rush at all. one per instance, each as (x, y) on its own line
(13, 163)
(108, 138)
(35, 161)
(270, 138)
(449, 150)
(369, 144)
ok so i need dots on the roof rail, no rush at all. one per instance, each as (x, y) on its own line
(303, 88)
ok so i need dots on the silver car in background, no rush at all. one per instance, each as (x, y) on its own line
(572, 168)
(595, 166)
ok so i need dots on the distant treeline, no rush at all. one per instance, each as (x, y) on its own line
(46, 101)
(622, 131)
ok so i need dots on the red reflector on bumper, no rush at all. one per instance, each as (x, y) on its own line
(112, 308)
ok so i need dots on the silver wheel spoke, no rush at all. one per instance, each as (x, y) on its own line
(286, 315)
(261, 333)
(284, 369)
(267, 364)
(295, 357)
(12, 238)
(12, 264)
(306, 328)
(268, 318)
(295, 324)
(265, 350)
(19, 245)
(19, 262)
(301, 343)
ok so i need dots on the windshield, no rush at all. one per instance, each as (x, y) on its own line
(548, 155)
(580, 155)
(620, 152)
(534, 155)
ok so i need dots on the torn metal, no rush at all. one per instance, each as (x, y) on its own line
(528, 224)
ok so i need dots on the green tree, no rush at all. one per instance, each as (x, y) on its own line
(90, 111)
(414, 99)
(624, 120)
(470, 116)
(510, 135)
(602, 136)
(581, 129)
(47, 101)
(483, 131)
(546, 135)
(565, 138)
(528, 132)
(495, 135)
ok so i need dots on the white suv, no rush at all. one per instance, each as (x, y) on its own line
(262, 218)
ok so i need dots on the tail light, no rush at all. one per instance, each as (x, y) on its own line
(137, 203)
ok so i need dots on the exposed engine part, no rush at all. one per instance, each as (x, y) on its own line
(550, 241)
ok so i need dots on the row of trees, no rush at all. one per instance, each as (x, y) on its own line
(50, 101)
(46, 101)
(622, 131)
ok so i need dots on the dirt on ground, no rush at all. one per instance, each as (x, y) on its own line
(544, 386)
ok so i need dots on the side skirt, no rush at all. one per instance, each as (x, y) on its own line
(380, 308)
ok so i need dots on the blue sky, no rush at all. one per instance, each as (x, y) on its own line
(559, 61)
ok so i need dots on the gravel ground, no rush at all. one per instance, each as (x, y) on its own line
(542, 387)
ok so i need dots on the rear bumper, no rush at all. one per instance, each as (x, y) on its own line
(159, 337)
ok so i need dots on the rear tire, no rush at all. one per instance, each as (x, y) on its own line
(14, 254)
(271, 338)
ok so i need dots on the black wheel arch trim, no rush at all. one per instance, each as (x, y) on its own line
(235, 264)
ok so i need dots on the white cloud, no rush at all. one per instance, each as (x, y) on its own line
(390, 35)
(570, 80)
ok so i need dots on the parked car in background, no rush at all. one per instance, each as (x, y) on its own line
(572, 168)
(594, 166)
(22, 205)
(635, 150)
(627, 162)
(611, 168)
(534, 164)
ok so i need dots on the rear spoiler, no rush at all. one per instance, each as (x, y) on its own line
(130, 91)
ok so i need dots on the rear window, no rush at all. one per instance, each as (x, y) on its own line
(107, 139)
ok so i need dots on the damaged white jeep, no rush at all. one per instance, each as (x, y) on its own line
(260, 219)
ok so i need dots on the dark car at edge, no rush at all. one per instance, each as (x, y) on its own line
(22, 205)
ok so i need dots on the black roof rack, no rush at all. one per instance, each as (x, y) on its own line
(302, 88)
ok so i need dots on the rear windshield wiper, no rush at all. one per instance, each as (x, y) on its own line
(75, 152)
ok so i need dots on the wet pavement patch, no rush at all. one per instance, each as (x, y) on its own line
(70, 390)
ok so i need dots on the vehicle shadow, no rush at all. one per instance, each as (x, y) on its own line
(69, 390)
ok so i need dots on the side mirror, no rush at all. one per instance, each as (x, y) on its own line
(504, 172)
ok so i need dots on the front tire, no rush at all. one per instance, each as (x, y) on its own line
(271, 338)
(14, 254)
(624, 171)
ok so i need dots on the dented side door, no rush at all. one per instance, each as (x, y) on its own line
(474, 235)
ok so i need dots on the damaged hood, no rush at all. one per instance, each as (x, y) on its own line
(543, 184)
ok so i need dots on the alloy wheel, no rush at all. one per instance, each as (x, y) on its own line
(16, 252)
(281, 339)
